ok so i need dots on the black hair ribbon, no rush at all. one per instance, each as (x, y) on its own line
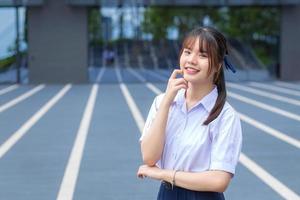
(228, 65)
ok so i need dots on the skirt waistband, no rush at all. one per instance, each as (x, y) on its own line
(166, 192)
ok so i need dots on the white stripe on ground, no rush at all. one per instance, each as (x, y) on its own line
(118, 73)
(275, 88)
(100, 74)
(264, 106)
(264, 94)
(262, 174)
(15, 137)
(271, 131)
(21, 98)
(268, 179)
(288, 85)
(8, 89)
(153, 88)
(68, 184)
(133, 107)
(137, 75)
(143, 80)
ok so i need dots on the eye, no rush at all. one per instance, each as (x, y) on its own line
(203, 55)
(186, 52)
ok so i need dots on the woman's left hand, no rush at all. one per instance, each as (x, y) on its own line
(151, 172)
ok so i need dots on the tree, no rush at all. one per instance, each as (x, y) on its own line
(94, 25)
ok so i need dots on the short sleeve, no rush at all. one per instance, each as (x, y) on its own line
(151, 115)
(226, 143)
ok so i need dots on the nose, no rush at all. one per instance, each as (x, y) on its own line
(192, 59)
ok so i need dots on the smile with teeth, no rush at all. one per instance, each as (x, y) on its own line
(191, 70)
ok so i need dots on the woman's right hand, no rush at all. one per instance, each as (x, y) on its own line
(174, 85)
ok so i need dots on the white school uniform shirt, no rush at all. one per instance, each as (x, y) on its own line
(193, 147)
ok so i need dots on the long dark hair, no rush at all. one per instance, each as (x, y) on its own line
(216, 46)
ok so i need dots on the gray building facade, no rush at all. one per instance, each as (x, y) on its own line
(58, 43)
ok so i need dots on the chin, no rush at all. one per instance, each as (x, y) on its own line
(196, 80)
(192, 79)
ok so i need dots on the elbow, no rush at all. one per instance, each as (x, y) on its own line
(221, 188)
(149, 157)
(221, 185)
(149, 161)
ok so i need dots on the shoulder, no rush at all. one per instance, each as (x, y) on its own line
(227, 123)
(227, 116)
(158, 99)
(228, 111)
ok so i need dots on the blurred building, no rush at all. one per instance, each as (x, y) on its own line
(58, 34)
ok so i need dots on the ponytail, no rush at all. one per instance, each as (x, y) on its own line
(221, 99)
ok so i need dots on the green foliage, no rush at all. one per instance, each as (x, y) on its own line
(245, 22)
(94, 29)
(258, 27)
(157, 20)
(7, 62)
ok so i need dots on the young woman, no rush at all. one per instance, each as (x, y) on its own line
(192, 137)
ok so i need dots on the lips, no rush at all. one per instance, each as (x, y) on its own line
(191, 70)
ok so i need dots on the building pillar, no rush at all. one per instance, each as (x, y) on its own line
(289, 43)
(57, 43)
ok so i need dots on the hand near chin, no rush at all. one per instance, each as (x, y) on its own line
(152, 172)
(174, 85)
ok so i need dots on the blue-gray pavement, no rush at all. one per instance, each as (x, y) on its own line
(269, 101)
(166, 73)
(128, 77)
(4, 98)
(144, 97)
(93, 72)
(2, 86)
(149, 75)
(295, 85)
(112, 154)
(286, 125)
(246, 186)
(34, 167)
(274, 91)
(109, 76)
(277, 157)
(13, 118)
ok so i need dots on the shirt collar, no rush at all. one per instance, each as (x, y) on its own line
(207, 101)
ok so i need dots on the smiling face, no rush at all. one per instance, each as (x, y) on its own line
(200, 57)
(195, 62)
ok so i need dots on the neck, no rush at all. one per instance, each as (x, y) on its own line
(196, 92)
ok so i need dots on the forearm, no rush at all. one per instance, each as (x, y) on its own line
(153, 143)
(214, 181)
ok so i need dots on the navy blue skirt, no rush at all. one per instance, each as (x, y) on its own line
(178, 193)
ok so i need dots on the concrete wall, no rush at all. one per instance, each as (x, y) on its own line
(58, 43)
(290, 43)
